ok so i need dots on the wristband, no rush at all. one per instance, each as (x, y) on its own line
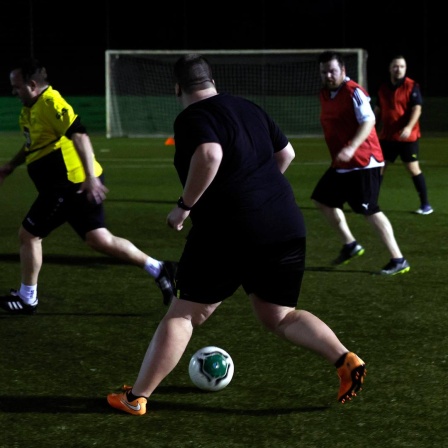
(181, 204)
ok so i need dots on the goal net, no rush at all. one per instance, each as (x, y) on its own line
(140, 100)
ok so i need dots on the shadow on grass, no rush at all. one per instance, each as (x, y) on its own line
(99, 261)
(77, 405)
(74, 260)
(85, 314)
(339, 271)
(143, 201)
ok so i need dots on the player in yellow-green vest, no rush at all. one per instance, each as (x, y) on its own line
(60, 160)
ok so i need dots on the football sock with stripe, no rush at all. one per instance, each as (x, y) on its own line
(153, 267)
(28, 293)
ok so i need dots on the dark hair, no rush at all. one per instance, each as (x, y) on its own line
(397, 56)
(31, 68)
(193, 72)
(329, 55)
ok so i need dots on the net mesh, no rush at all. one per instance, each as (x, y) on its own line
(140, 99)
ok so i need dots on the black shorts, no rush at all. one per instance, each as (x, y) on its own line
(212, 268)
(359, 189)
(408, 151)
(51, 209)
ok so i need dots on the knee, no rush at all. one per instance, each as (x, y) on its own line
(273, 323)
(413, 168)
(26, 237)
(98, 239)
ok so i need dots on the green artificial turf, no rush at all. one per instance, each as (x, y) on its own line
(96, 317)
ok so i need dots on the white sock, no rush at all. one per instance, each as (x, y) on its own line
(153, 267)
(28, 293)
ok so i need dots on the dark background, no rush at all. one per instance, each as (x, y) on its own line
(71, 38)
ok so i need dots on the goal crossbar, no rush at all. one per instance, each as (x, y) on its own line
(140, 100)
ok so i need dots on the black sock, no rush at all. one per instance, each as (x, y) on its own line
(340, 361)
(398, 260)
(420, 186)
(131, 397)
(350, 246)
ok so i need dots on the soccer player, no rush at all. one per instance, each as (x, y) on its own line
(61, 162)
(247, 230)
(348, 123)
(398, 110)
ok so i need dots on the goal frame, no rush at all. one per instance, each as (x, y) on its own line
(361, 75)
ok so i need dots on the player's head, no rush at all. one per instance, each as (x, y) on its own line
(28, 80)
(332, 69)
(192, 72)
(397, 68)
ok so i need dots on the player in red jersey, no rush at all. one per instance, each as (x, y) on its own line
(348, 123)
(397, 111)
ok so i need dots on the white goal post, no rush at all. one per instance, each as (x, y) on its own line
(140, 100)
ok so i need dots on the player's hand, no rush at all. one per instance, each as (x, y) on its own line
(346, 153)
(95, 190)
(405, 133)
(176, 218)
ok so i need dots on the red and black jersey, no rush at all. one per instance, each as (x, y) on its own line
(340, 123)
(396, 103)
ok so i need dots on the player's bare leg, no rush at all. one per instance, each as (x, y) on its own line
(308, 331)
(337, 220)
(383, 227)
(30, 256)
(169, 343)
(103, 241)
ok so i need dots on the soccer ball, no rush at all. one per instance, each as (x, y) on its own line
(211, 368)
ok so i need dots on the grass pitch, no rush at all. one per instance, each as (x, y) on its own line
(97, 315)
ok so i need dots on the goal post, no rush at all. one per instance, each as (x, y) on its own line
(140, 100)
